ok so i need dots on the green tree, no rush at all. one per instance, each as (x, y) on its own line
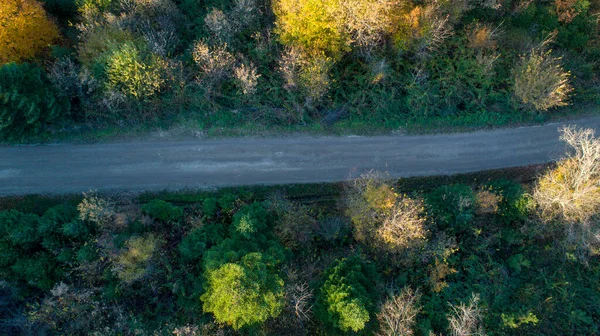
(345, 300)
(163, 211)
(28, 102)
(243, 293)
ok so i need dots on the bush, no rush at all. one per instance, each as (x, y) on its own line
(200, 239)
(28, 102)
(244, 293)
(134, 72)
(163, 211)
(313, 25)
(216, 63)
(514, 203)
(540, 82)
(452, 206)
(249, 221)
(133, 263)
(345, 301)
(26, 30)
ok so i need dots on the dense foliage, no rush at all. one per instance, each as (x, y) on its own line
(479, 256)
(357, 65)
(28, 101)
(26, 30)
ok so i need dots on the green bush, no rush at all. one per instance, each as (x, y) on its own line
(163, 211)
(244, 293)
(249, 220)
(452, 206)
(346, 299)
(134, 72)
(514, 203)
(28, 102)
(200, 239)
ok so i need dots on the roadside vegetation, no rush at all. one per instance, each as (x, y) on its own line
(93, 67)
(475, 254)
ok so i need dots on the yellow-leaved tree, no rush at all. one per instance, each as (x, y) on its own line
(25, 30)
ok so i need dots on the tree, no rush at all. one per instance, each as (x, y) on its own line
(332, 27)
(397, 316)
(244, 293)
(26, 30)
(345, 300)
(28, 102)
(571, 191)
(405, 225)
(540, 81)
(382, 218)
(163, 211)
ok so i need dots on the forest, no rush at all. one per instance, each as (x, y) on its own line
(235, 67)
(508, 252)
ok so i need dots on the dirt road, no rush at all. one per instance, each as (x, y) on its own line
(137, 166)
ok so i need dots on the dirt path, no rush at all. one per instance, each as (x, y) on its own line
(137, 166)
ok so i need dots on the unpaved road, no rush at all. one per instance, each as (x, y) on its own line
(137, 166)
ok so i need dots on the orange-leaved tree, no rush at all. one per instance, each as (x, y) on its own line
(25, 30)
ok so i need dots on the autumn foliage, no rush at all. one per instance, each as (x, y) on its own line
(26, 30)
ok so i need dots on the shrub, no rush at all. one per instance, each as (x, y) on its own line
(452, 205)
(100, 41)
(26, 30)
(133, 263)
(75, 311)
(295, 226)
(540, 81)
(95, 209)
(398, 313)
(514, 203)
(216, 63)
(249, 221)
(466, 319)
(567, 10)
(23, 257)
(345, 301)
(313, 25)
(200, 239)
(163, 211)
(422, 29)
(28, 102)
(244, 293)
(135, 73)
(246, 78)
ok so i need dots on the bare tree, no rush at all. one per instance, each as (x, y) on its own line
(397, 316)
(300, 296)
(466, 319)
